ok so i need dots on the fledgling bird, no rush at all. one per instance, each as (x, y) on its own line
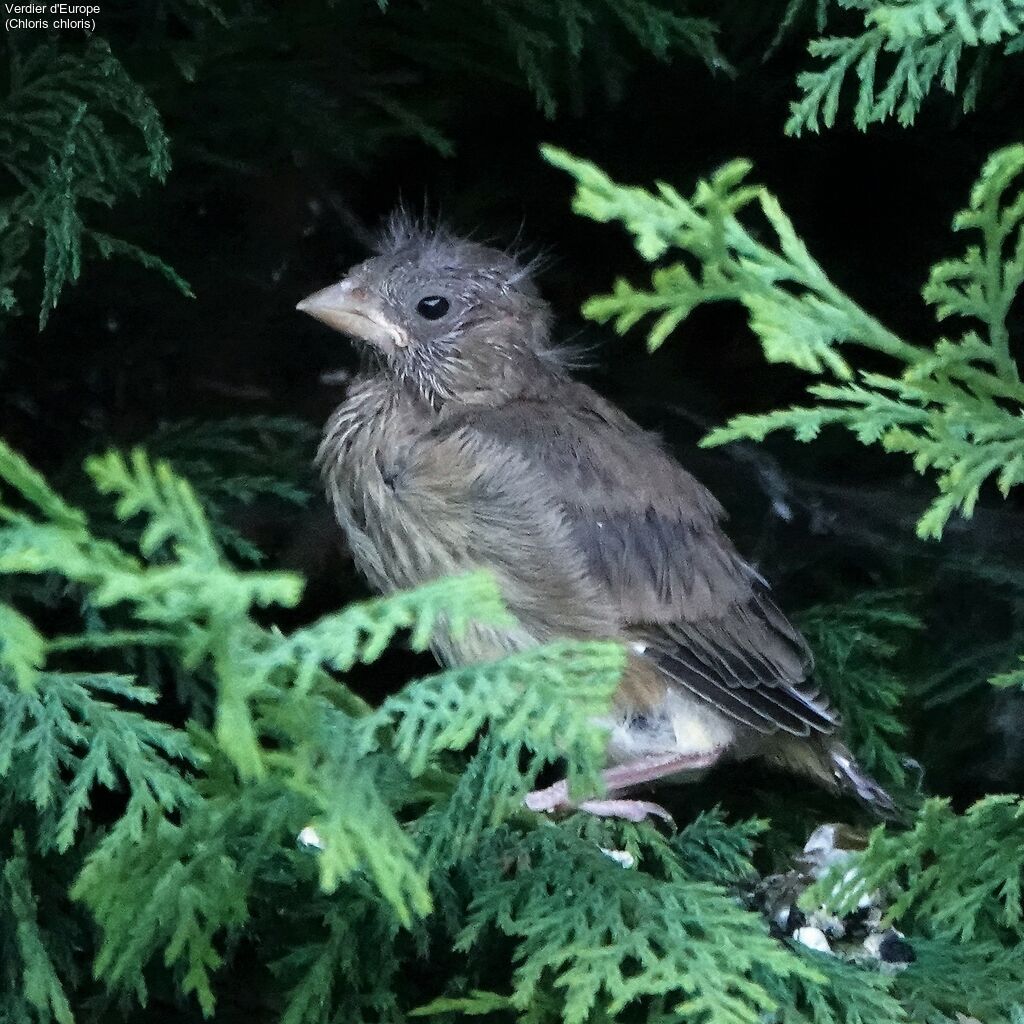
(465, 444)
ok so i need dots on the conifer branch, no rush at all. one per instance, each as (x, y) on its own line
(953, 876)
(954, 407)
(906, 49)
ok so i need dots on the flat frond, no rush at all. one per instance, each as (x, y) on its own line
(958, 876)
(78, 134)
(954, 408)
(905, 50)
(601, 936)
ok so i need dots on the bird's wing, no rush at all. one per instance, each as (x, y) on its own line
(649, 535)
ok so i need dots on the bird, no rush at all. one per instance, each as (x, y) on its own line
(465, 443)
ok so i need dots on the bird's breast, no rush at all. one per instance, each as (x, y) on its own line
(398, 499)
(394, 540)
(418, 503)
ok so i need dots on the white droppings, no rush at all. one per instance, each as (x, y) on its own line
(622, 857)
(309, 839)
(822, 851)
(821, 841)
(812, 938)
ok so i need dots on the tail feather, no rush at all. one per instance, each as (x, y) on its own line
(850, 777)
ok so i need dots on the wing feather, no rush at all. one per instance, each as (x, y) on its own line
(650, 536)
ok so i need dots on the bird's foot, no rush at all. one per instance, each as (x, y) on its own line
(624, 777)
(556, 798)
(626, 810)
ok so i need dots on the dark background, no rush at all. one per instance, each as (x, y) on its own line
(282, 171)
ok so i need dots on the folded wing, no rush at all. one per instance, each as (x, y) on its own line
(649, 534)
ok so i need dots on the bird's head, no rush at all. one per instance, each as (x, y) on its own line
(446, 315)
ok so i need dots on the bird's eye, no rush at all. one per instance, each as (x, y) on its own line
(432, 307)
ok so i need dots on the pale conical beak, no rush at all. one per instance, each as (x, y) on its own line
(355, 312)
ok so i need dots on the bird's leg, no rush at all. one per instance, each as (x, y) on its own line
(624, 777)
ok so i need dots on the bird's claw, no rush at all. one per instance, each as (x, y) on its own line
(627, 810)
(553, 798)
(556, 798)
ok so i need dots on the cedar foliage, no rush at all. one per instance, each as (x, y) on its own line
(955, 407)
(207, 812)
(77, 132)
(951, 405)
(903, 51)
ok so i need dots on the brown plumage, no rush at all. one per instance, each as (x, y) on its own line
(466, 444)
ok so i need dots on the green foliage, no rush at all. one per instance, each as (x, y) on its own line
(955, 877)
(952, 406)
(204, 814)
(420, 839)
(236, 464)
(549, 40)
(905, 49)
(980, 979)
(854, 644)
(583, 937)
(32, 979)
(77, 133)
(1015, 677)
(715, 851)
(60, 741)
(347, 967)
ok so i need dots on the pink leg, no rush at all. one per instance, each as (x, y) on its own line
(623, 777)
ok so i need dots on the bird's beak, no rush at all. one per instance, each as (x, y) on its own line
(354, 311)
